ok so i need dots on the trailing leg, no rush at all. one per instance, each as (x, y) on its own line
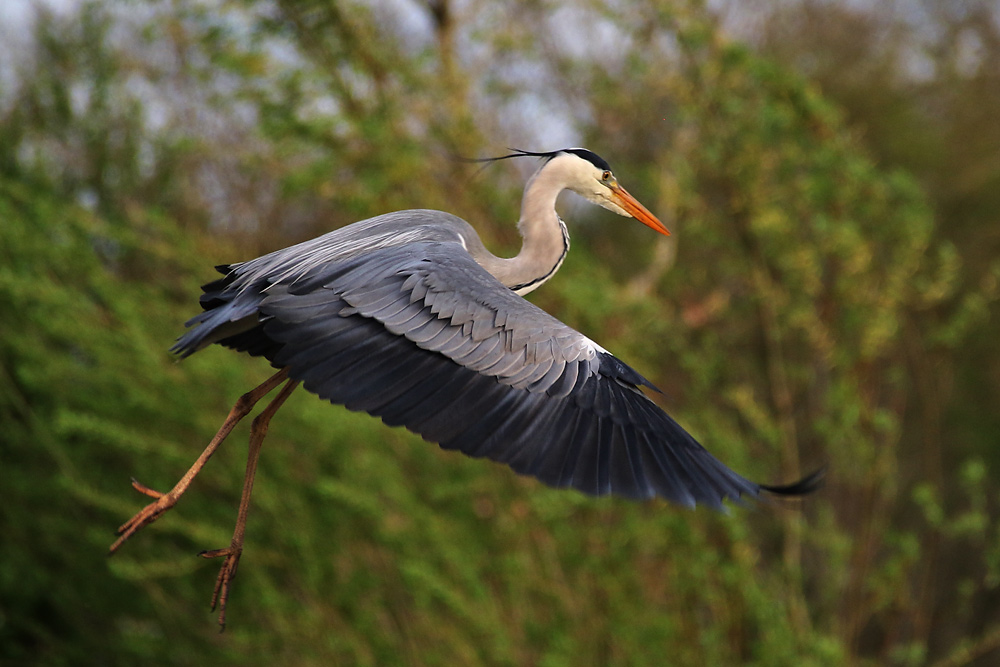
(232, 553)
(164, 501)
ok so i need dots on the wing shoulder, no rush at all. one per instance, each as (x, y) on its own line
(231, 304)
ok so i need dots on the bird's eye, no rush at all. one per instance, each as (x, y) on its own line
(606, 176)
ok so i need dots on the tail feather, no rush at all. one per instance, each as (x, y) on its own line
(232, 318)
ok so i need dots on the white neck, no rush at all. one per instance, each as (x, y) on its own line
(545, 240)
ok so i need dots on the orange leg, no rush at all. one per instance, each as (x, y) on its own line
(164, 501)
(232, 553)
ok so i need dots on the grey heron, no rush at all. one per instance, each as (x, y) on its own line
(407, 316)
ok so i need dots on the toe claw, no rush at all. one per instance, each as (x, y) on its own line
(145, 490)
(145, 516)
(224, 581)
(213, 553)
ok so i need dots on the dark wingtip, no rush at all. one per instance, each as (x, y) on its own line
(804, 486)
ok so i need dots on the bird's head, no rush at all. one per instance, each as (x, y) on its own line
(590, 176)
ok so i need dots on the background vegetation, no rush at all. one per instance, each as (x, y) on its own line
(833, 181)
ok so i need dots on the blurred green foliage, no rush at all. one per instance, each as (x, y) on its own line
(805, 312)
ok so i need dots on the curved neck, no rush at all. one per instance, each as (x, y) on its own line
(544, 238)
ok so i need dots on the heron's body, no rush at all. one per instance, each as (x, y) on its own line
(409, 317)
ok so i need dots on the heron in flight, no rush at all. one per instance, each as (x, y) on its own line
(407, 316)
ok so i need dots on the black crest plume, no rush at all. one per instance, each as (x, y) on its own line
(587, 155)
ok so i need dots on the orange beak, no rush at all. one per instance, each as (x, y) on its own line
(631, 205)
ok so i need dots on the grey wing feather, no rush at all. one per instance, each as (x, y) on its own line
(423, 337)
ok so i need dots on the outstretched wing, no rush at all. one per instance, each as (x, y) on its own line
(423, 337)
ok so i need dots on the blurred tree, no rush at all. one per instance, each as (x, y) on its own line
(919, 81)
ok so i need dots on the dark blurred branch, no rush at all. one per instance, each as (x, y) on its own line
(971, 650)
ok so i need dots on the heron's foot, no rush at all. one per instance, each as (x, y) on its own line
(224, 581)
(145, 516)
